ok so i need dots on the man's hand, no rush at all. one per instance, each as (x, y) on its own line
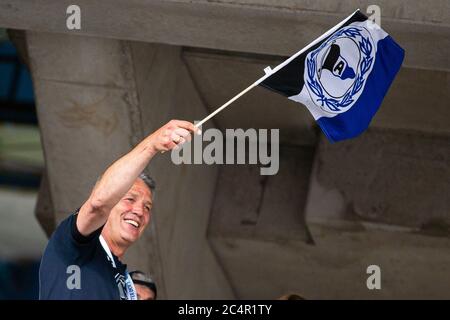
(172, 134)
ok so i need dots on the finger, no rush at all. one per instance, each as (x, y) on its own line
(166, 140)
(167, 143)
(182, 140)
(175, 137)
(182, 132)
(167, 133)
(186, 125)
(170, 145)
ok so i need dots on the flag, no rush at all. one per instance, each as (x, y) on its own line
(342, 77)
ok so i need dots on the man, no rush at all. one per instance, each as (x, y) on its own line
(145, 286)
(83, 257)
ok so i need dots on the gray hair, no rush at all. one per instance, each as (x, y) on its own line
(149, 182)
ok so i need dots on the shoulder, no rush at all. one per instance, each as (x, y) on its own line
(67, 241)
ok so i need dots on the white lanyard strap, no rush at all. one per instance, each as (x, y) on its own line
(108, 252)
(131, 290)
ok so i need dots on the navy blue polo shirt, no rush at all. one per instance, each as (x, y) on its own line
(77, 267)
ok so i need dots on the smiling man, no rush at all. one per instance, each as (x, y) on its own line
(83, 257)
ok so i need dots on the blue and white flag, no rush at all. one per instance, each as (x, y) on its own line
(342, 77)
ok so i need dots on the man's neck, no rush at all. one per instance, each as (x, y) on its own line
(116, 249)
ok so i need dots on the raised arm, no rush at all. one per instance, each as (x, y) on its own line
(120, 176)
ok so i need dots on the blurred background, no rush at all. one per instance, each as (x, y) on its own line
(22, 239)
(73, 101)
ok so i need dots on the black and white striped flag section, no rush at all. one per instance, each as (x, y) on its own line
(341, 77)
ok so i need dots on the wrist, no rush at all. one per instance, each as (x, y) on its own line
(150, 146)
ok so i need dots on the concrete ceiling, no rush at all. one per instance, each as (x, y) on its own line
(258, 26)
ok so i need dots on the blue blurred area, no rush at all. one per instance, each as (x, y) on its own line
(19, 280)
(6, 73)
(7, 48)
(24, 91)
(15, 80)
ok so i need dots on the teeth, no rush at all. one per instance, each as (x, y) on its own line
(134, 223)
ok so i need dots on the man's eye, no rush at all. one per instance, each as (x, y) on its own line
(129, 199)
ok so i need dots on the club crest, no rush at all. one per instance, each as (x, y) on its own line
(335, 72)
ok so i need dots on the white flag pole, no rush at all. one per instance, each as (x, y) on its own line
(270, 71)
(227, 104)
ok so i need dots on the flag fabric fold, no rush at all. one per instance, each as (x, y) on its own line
(342, 77)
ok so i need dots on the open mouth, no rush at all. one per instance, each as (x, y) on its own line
(134, 223)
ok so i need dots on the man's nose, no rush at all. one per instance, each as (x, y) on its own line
(138, 209)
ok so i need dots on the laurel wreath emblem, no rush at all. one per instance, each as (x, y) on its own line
(336, 105)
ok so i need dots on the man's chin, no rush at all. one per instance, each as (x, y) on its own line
(129, 238)
(129, 233)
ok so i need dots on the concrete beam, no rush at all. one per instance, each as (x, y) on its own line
(412, 266)
(17, 37)
(44, 211)
(417, 101)
(258, 26)
(269, 208)
(390, 177)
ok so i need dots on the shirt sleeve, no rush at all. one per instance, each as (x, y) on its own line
(70, 244)
(77, 237)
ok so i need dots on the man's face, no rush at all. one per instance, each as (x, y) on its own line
(131, 215)
(144, 292)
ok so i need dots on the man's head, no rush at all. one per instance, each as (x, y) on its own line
(130, 216)
(145, 287)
